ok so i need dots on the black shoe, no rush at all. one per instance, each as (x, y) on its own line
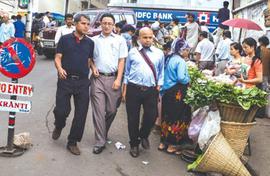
(134, 152)
(145, 143)
(56, 133)
(98, 149)
(74, 149)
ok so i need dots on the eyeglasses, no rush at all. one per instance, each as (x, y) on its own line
(107, 24)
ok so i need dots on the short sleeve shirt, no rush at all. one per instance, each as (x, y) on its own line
(108, 50)
(206, 49)
(75, 54)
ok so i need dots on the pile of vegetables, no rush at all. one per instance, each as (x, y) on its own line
(203, 91)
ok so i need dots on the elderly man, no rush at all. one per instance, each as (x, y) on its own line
(143, 77)
(107, 67)
(7, 29)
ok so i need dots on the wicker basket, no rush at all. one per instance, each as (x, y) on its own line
(236, 135)
(235, 113)
(220, 158)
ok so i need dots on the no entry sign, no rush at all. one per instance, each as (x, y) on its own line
(17, 58)
(24, 90)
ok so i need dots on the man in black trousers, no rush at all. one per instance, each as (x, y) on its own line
(72, 60)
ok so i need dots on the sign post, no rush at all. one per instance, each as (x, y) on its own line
(17, 59)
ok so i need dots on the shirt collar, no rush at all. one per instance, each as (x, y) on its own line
(149, 49)
(66, 26)
(112, 34)
(76, 38)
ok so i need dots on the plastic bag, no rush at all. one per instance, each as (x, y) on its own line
(22, 140)
(211, 127)
(198, 118)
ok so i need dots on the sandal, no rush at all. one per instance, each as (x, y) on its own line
(173, 150)
(162, 147)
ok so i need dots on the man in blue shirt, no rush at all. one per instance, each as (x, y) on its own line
(19, 27)
(143, 78)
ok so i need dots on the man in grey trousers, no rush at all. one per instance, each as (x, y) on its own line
(107, 69)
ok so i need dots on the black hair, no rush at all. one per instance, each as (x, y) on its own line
(68, 16)
(13, 17)
(237, 46)
(175, 20)
(227, 33)
(19, 17)
(203, 23)
(204, 34)
(264, 40)
(119, 25)
(252, 43)
(127, 28)
(225, 4)
(167, 45)
(107, 15)
(78, 17)
(191, 15)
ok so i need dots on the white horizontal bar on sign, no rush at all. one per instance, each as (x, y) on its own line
(24, 90)
(15, 106)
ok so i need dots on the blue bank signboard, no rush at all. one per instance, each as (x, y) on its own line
(167, 15)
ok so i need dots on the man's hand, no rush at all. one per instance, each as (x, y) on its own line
(116, 84)
(62, 73)
(95, 72)
(124, 92)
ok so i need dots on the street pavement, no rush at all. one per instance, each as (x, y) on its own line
(50, 158)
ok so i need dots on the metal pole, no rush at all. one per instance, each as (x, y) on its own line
(29, 21)
(11, 123)
(66, 8)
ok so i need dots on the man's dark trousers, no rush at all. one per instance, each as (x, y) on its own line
(80, 91)
(135, 97)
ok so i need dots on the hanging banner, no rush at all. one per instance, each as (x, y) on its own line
(23, 90)
(15, 106)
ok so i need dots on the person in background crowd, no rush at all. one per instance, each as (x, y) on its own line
(255, 74)
(223, 15)
(163, 34)
(19, 27)
(146, 24)
(52, 22)
(236, 66)
(72, 59)
(46, 18)
(156, 43)
(139, 25)
(127, 32)
(107, 70)
(223, 52)
(204, 52)
(192, 31)
(143, 78)
(176, 115)
(118, 27)
(7, 29)
(174, 33)
(13, 18)
(37, 25)
(66, 29)
(203, 27)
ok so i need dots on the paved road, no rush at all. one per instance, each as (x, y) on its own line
(50, 158)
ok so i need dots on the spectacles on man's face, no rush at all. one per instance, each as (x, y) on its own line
(107, 24)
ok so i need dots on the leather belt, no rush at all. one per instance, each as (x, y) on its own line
(75, 77)
(141, 87)
(108, 74)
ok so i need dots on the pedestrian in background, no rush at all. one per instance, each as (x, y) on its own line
(176, 115)
(143, 78)
(107, 71)
(19, 27)
(223, 53)
(127, 32)
(223, 15)
(72, 59)
(192, 32)
(175, 31)
(66, 29)
(204, 52)
(7, 29)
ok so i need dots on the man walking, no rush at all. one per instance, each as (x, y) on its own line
(107, 67)
(204, 52)
(66, 29)
(72, 58)
(19, 27)
(7, 29)
(144, 74)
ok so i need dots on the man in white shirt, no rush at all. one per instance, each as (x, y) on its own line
(7, 29)
(66, 29)
(204, 52)
(223, 52)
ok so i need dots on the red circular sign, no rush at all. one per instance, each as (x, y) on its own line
(17, 58)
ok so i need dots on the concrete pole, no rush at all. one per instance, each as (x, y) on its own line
(29, 21)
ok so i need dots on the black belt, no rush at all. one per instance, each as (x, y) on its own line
(108, 74)
(76, 77)
(141, 87)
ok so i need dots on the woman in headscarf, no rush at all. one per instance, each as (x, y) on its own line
(176, 115)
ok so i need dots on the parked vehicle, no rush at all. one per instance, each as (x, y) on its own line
(46, 44)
